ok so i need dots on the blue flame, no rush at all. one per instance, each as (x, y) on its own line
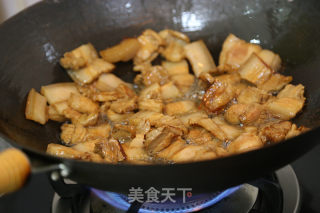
(120, 201)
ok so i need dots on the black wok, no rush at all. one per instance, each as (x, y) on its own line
(33, 41)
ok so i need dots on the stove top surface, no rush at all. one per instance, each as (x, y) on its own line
(37, 196)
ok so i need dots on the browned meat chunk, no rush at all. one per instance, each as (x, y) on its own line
(36, 108)
(200, 57)
(243, 113)
(79, 57)
(255, 70)
(245, 142)
(124, 51)
(275, 132)
(235, 52)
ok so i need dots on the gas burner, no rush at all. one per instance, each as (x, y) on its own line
(276, 193)
(190, 204)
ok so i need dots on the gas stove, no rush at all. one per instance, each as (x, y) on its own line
(276, 193)
(286, 190)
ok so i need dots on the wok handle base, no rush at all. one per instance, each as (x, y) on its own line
(14, 170)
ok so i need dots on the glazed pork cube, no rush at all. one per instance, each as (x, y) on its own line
(124, 105)
(192, 118)
(134, 150)
(218, 95)
(176, 68)
(212, 127)
(170, 91)
(230, 131)
(54, 115)
(150, 41)
(159, 143)
(251, 95)
(243, 113)
(152, 92)
(183, 81)
(154, 74)
(275, 132)
(58, 92)
(284, 108)
(172, 149)
(174, 45)
(275, 83)
(244, 143)
(271, 59)
(154, 105)
(291, 91)
(79, 57)
(235, 52)
(92, 71)
(255, 70)
(200, 58)
(124, 51)
(288, 103)
(180, 107)
(36, 107)
(108, 82)
(193, 153)
(117, 117)
(82, 103)
(109, 150)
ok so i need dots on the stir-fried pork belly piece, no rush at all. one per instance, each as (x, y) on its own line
(172, 149)
(108, 82)
(183, 81)
(275, 132)
(92, 71)
(221, 92)
(68, 152)
(154, 74)
(180, 107)
(288, 102)
(271, 59)
(36, 107)
(245, 142)
(150, 42)
(58, 92)
(193, 153)
(160, 142)
(198, 135)
(169, 91)
(124, 51)
(176, 68)
(124, 105)
(82, 103)
(155, 105)
(275, 83)
(199, 57)
(251, 95)
(54, 115)
(255, 70)
(243, 113)
(174, 43)
(109, 150)
(168, 114)
(79, 57)
(74, 134)
(230, 131)
(279, 131)
(212, 127)
(135, 151)
(235, 52)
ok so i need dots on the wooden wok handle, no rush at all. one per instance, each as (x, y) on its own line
(14, 170)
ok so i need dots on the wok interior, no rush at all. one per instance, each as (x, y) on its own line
(33, 42)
